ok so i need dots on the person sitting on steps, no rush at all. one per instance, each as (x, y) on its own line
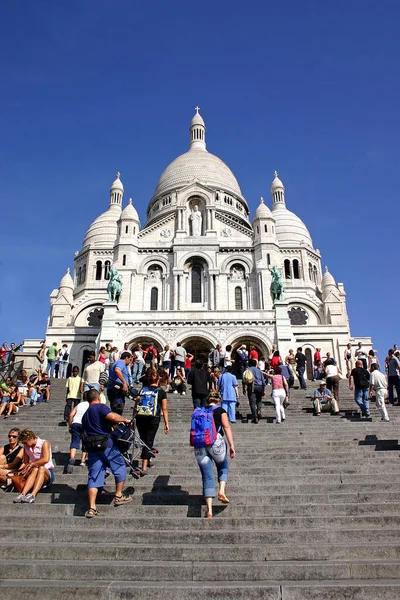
(324, 401)
(37, 466)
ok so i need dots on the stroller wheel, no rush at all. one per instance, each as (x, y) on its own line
(135, 474)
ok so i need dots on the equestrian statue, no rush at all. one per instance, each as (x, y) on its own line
(114, 288)
(276, 289)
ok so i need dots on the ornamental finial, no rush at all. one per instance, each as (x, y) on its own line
(197, 108)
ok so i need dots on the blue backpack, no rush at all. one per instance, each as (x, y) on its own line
(203, 432)
(148, 402)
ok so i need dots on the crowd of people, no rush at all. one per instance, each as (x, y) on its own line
(26, 461)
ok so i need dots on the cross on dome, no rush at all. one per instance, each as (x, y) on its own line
(275, 173)
(197, 108)
(261, 200)
(118, 175)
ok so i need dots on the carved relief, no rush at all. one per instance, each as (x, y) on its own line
(165, 233)
(227, 232)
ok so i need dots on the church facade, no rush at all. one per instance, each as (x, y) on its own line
(199, 270)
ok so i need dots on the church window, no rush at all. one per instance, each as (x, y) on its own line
(310, 271)
(268, 259)
(126, 229)
(154, 298)
(238, 298)
(134, 230)
(298, 316)
(78, 276)
(107, 269)
(83, 276)
(296, 269)
(315, 273)
(123, 260)
(266, 228)
(99, 268)
(95, 317)
(196, 283)
(288, 274)
(273, 229)
(258, 229)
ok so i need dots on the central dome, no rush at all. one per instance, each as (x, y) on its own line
(199, 164)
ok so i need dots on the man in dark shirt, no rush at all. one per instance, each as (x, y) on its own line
(301, 367)
(11, 455)
(96, 423)
(200, 381)
(359, 381)
(43, 387)
(256, 391)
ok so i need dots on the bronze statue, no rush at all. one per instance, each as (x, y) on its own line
(114, 288)
(276, 289)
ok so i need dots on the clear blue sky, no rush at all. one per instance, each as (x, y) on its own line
(309, 88)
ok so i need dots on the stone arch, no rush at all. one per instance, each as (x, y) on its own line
(144, 337)
(193, 254)
(85, 308)
(246, 262)
(197, 345)
(192, 193)
(156, 260)
(249, 336)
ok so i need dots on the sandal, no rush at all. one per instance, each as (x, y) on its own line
(223, 498)
(119, 500)
(92, 512)
(209, 516)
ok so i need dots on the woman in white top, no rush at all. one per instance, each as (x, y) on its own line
(332, 377)
(75, 422)
(166, 357)
(138, 364)
(37, 465)
(348, 357)
(373, 360)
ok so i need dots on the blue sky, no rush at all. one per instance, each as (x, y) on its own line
(308, 88)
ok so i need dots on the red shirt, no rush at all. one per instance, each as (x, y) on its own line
(275, 360)
(253, 355)
(317, 357)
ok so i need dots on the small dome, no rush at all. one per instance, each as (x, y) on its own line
(197, 120)
(262, 211)
(103, 230)
(328, 279)
(67, 281)
(290, 229)
(129, 212)
(276, 183)
(117, 184)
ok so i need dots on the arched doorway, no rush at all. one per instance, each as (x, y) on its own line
(250, 341)
(198, 346)
(145, 341)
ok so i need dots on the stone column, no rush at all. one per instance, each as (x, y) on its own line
(176, 291)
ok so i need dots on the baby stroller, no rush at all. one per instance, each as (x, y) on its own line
(127, 439)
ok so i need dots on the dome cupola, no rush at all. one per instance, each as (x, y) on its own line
(67, 281)
(262, 212)
(277, 190)
(129, 213)
(103, 230)
(197, 131)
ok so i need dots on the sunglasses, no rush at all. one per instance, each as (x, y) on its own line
(12, 436)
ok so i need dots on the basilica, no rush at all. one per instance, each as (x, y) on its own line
(199, 270)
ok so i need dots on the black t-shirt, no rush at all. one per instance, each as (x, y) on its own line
(200, 380)
(361, 378)
(217, 414)
(11, 454)
(300, 359)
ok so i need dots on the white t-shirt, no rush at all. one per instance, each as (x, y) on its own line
(227, 359)
(331, 370)
(80, 411)
(139, 356)
(166, 355)
(180, 354)
(92, 372)
(360, 353)
(261, 365)
(378, 380)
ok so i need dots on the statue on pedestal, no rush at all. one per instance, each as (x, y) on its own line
(114, 288)
(276, 289)
(196, 220)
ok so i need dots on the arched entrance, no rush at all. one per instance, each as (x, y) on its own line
(198, 346)
(250, 341)
(310, 369)
(145, 341)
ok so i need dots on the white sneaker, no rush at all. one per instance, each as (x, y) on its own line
(175, 392)
(183, 393)
(29, 498)
(19, 499)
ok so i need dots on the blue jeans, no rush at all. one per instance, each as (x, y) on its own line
(99, 462)
(137, 371)
(300, 375)
(91, 386)
(63, 369)
(51, 364)
(361, 398)
(394, 382)
(205, 458)
(230, 407)
(199, 400)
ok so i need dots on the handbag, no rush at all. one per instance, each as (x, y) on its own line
(18, 481)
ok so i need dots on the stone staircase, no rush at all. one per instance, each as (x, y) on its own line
(314, 514)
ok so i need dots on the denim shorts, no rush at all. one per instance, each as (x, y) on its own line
(51, 480)
(111, 458)
(76, 435)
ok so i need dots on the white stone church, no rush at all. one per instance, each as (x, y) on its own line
(198, 270)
